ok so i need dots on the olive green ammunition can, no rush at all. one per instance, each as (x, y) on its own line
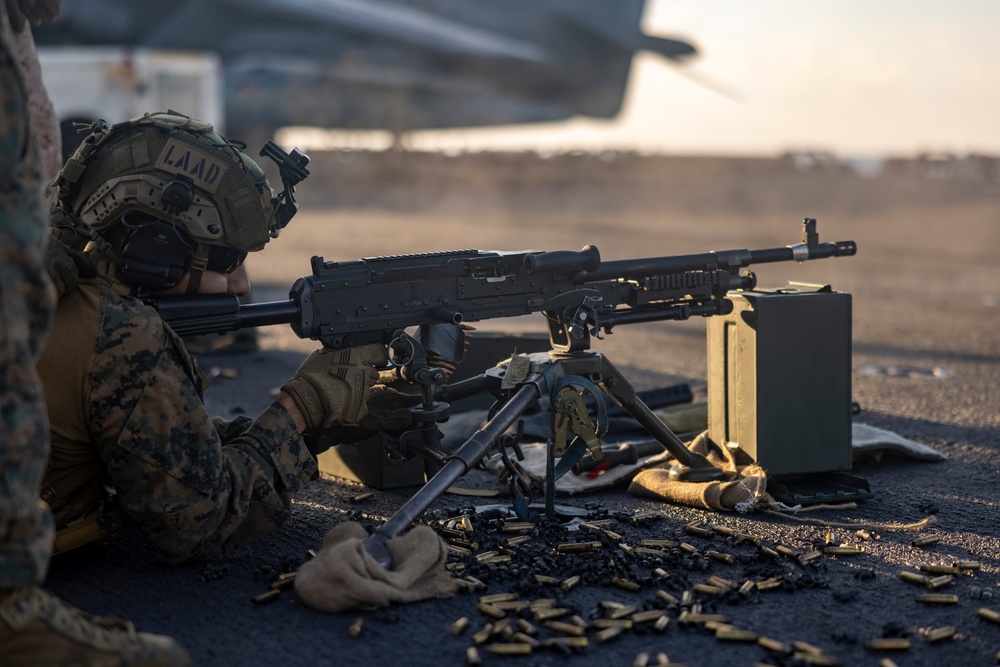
(779, 379)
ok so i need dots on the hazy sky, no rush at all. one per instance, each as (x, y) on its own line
(856, 77)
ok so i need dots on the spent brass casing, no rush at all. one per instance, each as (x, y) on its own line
(577, 547)
(646, 616)
(464, 544)
(661, 623)
(937, 598)
(735, 635)
(510, 648)
(483, 634)
(566, 628)
(937, 634)
(888, 644)
(491, 610)
(568, 583)
(354, 629)
(517, 526)
(547, 580)
(721, 557)
(819, 659)
(747, 587)
(548, 613)
(310, 553)
(497, 597)
(503, 558)
(698, 531)
(625, 584)
(773, 645)
(720, 582)
(613, 536)
(988, 615)
(660, 573)
(476, 584)
(472, 657)
(939, 569)
(576, 619)
(887, 662)
(518, 539)
(526, 627)
(805, 647)
(688, 548)
(526, 639)
(607, 634)
(786, 551)
(769, 584)
(267, 596)
(358, 497)
(810, 556)
(967, 564)
(662, 544)
(667, 597)
(938, 582)
(459, 626)
(707, 589)
(770, 553)
(913, 578)
(511, 605)
(926, 541)
(459, 551)
(605, 623)
(641, 660)
(622, 612)
(706, 618)
(569, 642)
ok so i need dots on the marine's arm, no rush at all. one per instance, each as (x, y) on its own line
(192, 495)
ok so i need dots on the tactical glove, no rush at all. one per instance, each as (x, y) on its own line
(332, 386)
(66, 266)
(34, 12)
(388, 410)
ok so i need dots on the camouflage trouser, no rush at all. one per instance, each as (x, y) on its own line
(27, 300)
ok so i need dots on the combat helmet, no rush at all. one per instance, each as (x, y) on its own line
(166, 194)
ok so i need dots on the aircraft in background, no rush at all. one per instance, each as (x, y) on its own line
(396, 65)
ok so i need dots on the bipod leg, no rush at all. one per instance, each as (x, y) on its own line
(463, 460)
(691, 466)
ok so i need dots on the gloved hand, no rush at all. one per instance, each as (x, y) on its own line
(34, 12)
(388, 410)
(332, 386)
(66, 266)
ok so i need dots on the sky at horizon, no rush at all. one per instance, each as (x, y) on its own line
(851, 77)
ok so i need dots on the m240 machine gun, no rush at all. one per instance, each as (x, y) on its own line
(377, 299)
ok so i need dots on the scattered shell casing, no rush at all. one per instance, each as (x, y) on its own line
(491, 610)
(607, 634)
(570, 582)
(698, 531)
(939, 569)
(284, 581)
(543, 603)
(888, 644)
(497, 597)
(706, 618)
(926, 541)
(721, 557)
(937, 598)
(988, 615)
(517, 526)
(549, 613)
(688, 548)
(472, 657)
(913, 578)
(938, 582)
(820, 659)
(565, 628)
(358, 497)
(510, 648)
(310, 553)
(570, 642)
(707, 589)
(725, 531)
(625, 584)
(577, 547)
(804, 647)
(625, 548)
(660, 573)
(886, 662)
(483, 634)
(661, 623)
(967, 564)
(511, 605)
(736, 635)
(614, 536)
(786, 551)
(747, 587)
(648, 615)
(459, 551)
(720, 582)
(639, 516)
(937, 634)
(667, 597)
(451, 532)
(475, 583)
(810, 556)
(622, 612)
(770, 553)
(687, 598)
(773, 645)
(524, 638)
(459, 626)
(526, 627)
(652, 551)
(518, 539)
(768, 584)
(605, 623)
(641, 660)
(662, 660)
(547, 580)
(503, 558)
(464, 544)
(575, 619)
(354, 629)
(267, 596)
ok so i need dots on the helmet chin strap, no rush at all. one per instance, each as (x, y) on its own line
(198, 267)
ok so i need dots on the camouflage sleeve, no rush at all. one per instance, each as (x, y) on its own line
(192, 495)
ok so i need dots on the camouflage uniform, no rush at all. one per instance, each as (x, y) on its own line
(26, 302)
(126, 406)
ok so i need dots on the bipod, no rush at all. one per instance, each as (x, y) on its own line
(523, 380)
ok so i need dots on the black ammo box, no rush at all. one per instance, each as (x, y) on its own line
(779, 379)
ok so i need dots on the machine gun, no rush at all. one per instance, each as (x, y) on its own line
(350, 303)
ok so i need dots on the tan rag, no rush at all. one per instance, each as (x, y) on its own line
(743, 488)
(344, 576)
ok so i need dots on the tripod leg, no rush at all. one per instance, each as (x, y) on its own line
(467, 456)
(691, 466)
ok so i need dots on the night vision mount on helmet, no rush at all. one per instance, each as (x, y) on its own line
(168, 195)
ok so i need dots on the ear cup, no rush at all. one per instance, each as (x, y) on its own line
(156, 256)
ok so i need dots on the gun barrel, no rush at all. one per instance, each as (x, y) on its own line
(221, 313)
